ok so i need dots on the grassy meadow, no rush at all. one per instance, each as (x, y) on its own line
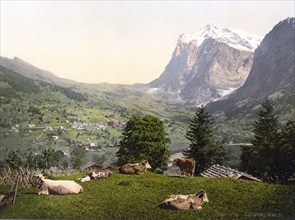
(138, 196)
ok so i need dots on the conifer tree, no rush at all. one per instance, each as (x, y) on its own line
(144, 138)
(260, 159)
(203, 147)
(285, 161)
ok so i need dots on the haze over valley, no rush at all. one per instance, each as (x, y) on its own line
(93, 93)
(218, 64)
(209, 66)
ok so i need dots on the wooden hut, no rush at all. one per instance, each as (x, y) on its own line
(217, 170)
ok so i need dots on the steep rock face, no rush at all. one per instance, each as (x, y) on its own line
(272, 74)
(274, 63)
(219, 67)
(204, 64)
(183, 58)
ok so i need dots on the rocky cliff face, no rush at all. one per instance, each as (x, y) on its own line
(272, 74)
(205, 65)
(274, 63)
(219, 68)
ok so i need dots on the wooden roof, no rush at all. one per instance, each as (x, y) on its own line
(217, 170)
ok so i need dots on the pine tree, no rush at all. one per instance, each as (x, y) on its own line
(285, 161)
(144, 138)
(260, 159)
(203, 147)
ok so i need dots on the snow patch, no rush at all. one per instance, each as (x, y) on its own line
(233, 37)
(276, 95)
(224, 93)
(152, 90)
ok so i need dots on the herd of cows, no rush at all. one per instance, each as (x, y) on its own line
(174, 202)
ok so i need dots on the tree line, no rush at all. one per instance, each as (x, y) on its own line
(144, 137)
(271, 156)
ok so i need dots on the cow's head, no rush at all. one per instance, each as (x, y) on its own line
(176, 161)
(40, 176)
(86, 178)
(202, 195)
(146, 164)
(40, 179)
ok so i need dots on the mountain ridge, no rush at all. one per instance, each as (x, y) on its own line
(202, 64)
(272, 74)
(30, 71)
(234, 37)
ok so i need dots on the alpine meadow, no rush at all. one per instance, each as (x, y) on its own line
(211, 137)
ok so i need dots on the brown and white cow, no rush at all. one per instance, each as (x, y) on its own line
(187, 166)
(185, 202)
(136, 168)
(97, 174)
(59, 187)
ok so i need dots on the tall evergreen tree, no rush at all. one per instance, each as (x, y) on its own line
(260, 159)
(285, 161)
(203, 147)
(144, 138)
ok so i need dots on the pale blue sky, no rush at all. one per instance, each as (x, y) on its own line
(119, 41)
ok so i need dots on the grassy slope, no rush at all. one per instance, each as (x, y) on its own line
(138, 196)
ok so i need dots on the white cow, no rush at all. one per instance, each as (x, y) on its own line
(97, 174)
(59, 187)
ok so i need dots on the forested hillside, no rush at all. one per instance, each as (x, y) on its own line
(40, 115)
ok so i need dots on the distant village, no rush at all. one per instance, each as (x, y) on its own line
(77, 125)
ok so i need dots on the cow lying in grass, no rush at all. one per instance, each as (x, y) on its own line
(97, 174)
(136, 168)
(187, 166)
(185, 202)
(59, 187)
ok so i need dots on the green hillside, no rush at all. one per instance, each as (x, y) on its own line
(14, 84)
(138, 196)
(34, 112)
(47, 107)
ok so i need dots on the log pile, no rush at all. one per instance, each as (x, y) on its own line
(21, 177)
(15, 179)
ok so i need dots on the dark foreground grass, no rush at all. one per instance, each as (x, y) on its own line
(138, 197)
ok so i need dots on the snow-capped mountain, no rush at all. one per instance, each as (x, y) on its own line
(233, 37)
(204, 63)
